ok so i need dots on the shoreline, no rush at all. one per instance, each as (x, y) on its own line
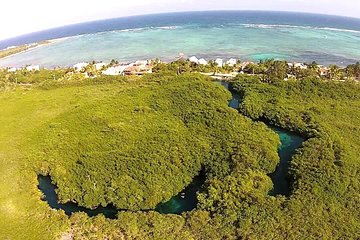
(31, 46)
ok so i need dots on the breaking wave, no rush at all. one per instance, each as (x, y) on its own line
(146, 29)
(279, 26)
(117, 31)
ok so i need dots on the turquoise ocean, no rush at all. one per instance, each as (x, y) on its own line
(247, 35)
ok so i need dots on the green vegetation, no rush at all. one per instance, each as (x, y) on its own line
(326, 170)
(137, 141)
(133, 142)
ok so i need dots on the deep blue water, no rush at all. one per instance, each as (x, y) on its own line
(202, 18)
(248, 35)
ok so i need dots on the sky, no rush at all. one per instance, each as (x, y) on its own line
(19, 17)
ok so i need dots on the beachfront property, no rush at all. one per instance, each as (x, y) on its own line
(243, 65)
(100, 66)
(323, 71)
(219, 62)
(300, 65)
(115, 70)
(13, 69)
(138, 68)
(33, 68)
(232, 62)
(202, 61)
(80, 66)
(194, 59)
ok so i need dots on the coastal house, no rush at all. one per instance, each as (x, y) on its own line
(231, 62)
(99, 66)
(194, 59)
(33, 68)
(80, 66)
(289, 76)
(138, 70)
(219, 62)
(115, 70)
(323, 71)
(202, 61)
(141, 63)
(243, 65)
(300, 65)
(13, 69)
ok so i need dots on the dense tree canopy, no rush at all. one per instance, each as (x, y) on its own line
(139, 147)
(135, 142)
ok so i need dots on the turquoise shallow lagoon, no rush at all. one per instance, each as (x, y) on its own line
(251, 36)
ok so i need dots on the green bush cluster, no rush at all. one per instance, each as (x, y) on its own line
(135, 142)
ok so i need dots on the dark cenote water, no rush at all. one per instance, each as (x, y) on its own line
(289, 143)
(186, 200)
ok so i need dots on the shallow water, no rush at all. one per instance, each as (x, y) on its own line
(244, 35)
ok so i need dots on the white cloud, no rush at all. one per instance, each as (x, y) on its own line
(21, 16)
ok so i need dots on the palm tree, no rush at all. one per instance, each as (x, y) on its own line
(334, 72)
(213, 66)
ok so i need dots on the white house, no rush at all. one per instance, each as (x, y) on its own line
(13, 69)
(219, 62)
(141, 63)
(231, 62)
(300, 65)
(203, 61)
(33, 68)
(99, 66)
(194, 59)
(79, 66)
(114, 71)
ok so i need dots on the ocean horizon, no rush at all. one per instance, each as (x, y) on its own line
(246, 35)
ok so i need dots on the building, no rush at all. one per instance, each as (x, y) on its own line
(33, 68)
(13, 69)
(323, 71)
(202, 61)
(134, 69)
(194, 59)
(141, 63)
(219, 62)
(231, 62)
(80, 66)
(115, 70)
(100, 66)
(300, 65)
(243, 65)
